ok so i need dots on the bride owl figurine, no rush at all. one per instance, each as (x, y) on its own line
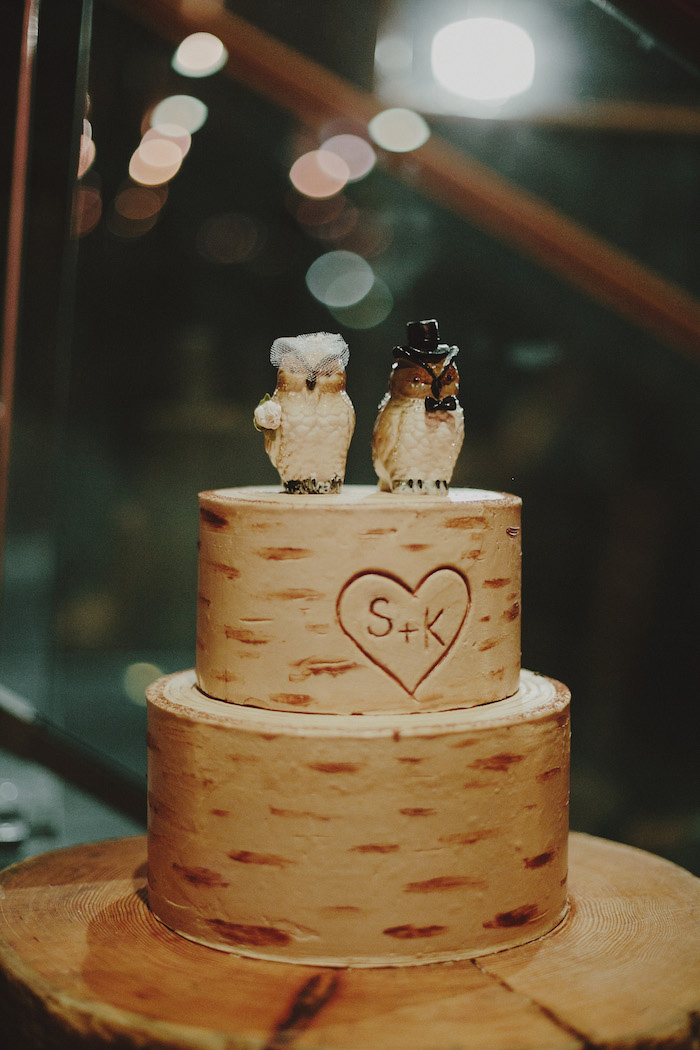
(309, 420)
(419, 430)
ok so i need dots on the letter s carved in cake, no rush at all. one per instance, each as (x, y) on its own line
(404, 631)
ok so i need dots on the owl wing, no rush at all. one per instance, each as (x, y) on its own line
(386, 438)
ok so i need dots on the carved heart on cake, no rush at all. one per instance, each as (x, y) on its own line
(405, 631)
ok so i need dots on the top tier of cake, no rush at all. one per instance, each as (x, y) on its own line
(340, 605)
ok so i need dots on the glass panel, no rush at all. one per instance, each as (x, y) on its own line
(558, 248)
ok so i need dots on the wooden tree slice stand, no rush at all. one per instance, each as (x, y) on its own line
(83, 963)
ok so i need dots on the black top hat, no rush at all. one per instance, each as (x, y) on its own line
(424, 344)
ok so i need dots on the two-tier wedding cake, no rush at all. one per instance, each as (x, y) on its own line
(359, 773)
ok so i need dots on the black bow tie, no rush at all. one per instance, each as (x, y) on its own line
(449, 404)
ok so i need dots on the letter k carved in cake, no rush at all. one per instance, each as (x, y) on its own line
(404, 631)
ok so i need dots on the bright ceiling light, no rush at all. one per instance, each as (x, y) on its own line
(484, 59)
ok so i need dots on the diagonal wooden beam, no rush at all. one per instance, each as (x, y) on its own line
(470, 189)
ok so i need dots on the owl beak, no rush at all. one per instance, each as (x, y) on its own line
(311, 382)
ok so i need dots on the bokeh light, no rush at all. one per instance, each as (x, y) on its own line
(355, 151)
(155, 161)
(316, 213)
(370, 311)
(393, 54)
(399, 130)
(140, 202)
(171, 133)
(233, 237)
(340, 278)
(87, 209)
(136, 679)
(86, 155)
(199, 55)
(319, 174)
(186, 111)
(484, 59)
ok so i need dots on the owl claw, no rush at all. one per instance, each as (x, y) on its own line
(311, 485)
(407, 485)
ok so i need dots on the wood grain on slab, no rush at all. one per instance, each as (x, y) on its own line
(84, 964)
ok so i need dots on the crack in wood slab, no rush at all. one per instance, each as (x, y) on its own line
(311, 998)
(559, 1022)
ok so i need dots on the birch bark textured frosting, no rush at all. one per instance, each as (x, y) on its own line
(358, 841)
(359, 602)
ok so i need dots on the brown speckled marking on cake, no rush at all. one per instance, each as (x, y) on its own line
(498, 673)
(317, 628)
(220, 812)
(229, 571)
(490, 643)
(206, 602)
(296, 593)
(517, 917)
(242, 758)
(475, 785)
(378, 532)
(269, 860)
(150, 742)
(200, 876)
(497, 763)
(416, 546)
(245, 636)
(412, 933)
(334, 767)
(497, 582)
(214, 521)
(375, 847)
(409, 760)
(225, 676)
(468, 838)
(444, 882)
(251, 936)
(485, 619)
(283, 553)
(540, 860)
(417, 811)
(302, 814)
(541, 778)
(313, 666)
(512, 613)
(465, 523)
(339, 908)
(469, 742)
(473, 554)
(293, 699)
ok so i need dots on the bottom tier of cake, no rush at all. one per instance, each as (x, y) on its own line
(358, 840)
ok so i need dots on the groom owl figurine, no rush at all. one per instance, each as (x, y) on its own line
(309, 420)
(419, 430)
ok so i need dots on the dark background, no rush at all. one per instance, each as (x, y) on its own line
(141, 360)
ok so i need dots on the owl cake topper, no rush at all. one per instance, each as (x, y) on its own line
(309, 420)
(419, 429)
